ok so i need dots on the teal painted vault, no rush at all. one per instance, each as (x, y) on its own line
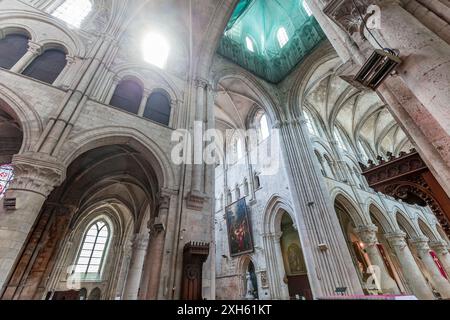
(260, 22)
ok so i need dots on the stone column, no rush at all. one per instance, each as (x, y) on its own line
(426, 66)
(418, 96)
(368, 235)
(114, 84)
(145, 97)
(322, 239)
(410, 269)
(34, 50)
(139, 250)
(155, 250)
(34, 180)
(278, 288)
(197, 171)
(437, 279)
(63, 79)
(441, 249)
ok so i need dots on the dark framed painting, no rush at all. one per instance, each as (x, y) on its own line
(239, 230)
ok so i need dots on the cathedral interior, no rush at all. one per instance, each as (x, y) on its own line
(224, 149)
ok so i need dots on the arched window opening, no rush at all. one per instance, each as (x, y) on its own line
(363, 152)
(12, 48)
(311, 125)
(282, 37)
(264, 127)
(6, 176)
(229, 197)
(158, 108)
(257, 181)
(251, 283)
(250, 45)
(93, 251)
(83, 294)
(319, 158)
(73, 12)
(246, 187)
(96, 294)
(127, 96)
(47, 67)
(306, 8)
(238, 192)
(341, 141)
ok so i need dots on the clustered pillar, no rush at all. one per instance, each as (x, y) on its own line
(368, 236)
(411, 271)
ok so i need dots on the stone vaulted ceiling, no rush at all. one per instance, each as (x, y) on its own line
(260, 20)
(361, 114)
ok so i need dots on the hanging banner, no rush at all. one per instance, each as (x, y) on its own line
(386, 260)
(439, 264)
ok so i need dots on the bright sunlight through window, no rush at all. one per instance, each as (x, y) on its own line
(282, 37)
(250, 46)
(156, 50)
(73, 11)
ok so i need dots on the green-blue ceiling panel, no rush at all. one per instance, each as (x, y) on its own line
(260, 20)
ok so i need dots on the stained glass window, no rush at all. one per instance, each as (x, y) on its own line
(6, 176)
(73, 11)
(93, 251)
(282, 37)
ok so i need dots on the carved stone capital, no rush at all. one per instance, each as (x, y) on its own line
(34, 48)
(397, 239)
(368, 234)
(37, 173)
(346, 15)
(421, 244)
(440, 247)
(201, 83)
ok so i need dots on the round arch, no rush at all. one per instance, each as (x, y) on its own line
(29, 119)
(128, 136)
(72, 42)
(158, 79)
(265, 100)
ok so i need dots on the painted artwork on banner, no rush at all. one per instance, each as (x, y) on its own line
(239, 231)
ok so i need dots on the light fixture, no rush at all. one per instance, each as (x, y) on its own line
(376, 69)
(155, 49)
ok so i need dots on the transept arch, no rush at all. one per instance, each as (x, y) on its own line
(111, 135)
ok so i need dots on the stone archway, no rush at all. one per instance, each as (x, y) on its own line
(116, 176)
(287, 273)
